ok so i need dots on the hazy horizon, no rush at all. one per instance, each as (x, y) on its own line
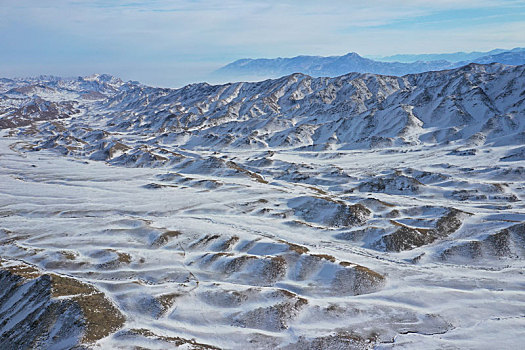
(173, 43)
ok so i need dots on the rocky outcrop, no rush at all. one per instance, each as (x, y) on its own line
(48, 311)
(506, 243)
(329, 212)
(406, 238)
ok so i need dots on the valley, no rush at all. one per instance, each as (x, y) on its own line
(356, 212)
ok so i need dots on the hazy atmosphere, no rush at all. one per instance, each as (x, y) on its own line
(172, 43)
(262, 175)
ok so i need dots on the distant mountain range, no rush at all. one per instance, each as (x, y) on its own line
(451, 57)
(332, 66)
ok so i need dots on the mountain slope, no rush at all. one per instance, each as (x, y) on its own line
(332, 66)
(472, 105)
(468, 106)
(356, 212)
(451, 57)
(511, 58)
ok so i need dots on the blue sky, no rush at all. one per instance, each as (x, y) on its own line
(175, 42)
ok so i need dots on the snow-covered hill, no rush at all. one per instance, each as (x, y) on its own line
(468, 107)
(356, 212)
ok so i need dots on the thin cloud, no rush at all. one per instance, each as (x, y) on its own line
(179, 41)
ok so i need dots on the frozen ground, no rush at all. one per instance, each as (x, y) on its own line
(117, 233)
(170, 257)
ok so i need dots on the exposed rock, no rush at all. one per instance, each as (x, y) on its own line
(49, 311)
(394, 183)
(329, 212)
(338, 341)
(273, 318)
(406, 238)
(507, 243)
(160, 340)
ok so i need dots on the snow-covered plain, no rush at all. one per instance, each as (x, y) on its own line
(365, 212)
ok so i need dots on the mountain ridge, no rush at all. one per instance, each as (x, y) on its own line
(459, 56)
(331, 66)
(270, 211)
(472, 105)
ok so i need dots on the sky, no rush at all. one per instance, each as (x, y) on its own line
(175, 42)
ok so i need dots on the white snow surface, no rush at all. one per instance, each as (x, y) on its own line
(355, 212)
